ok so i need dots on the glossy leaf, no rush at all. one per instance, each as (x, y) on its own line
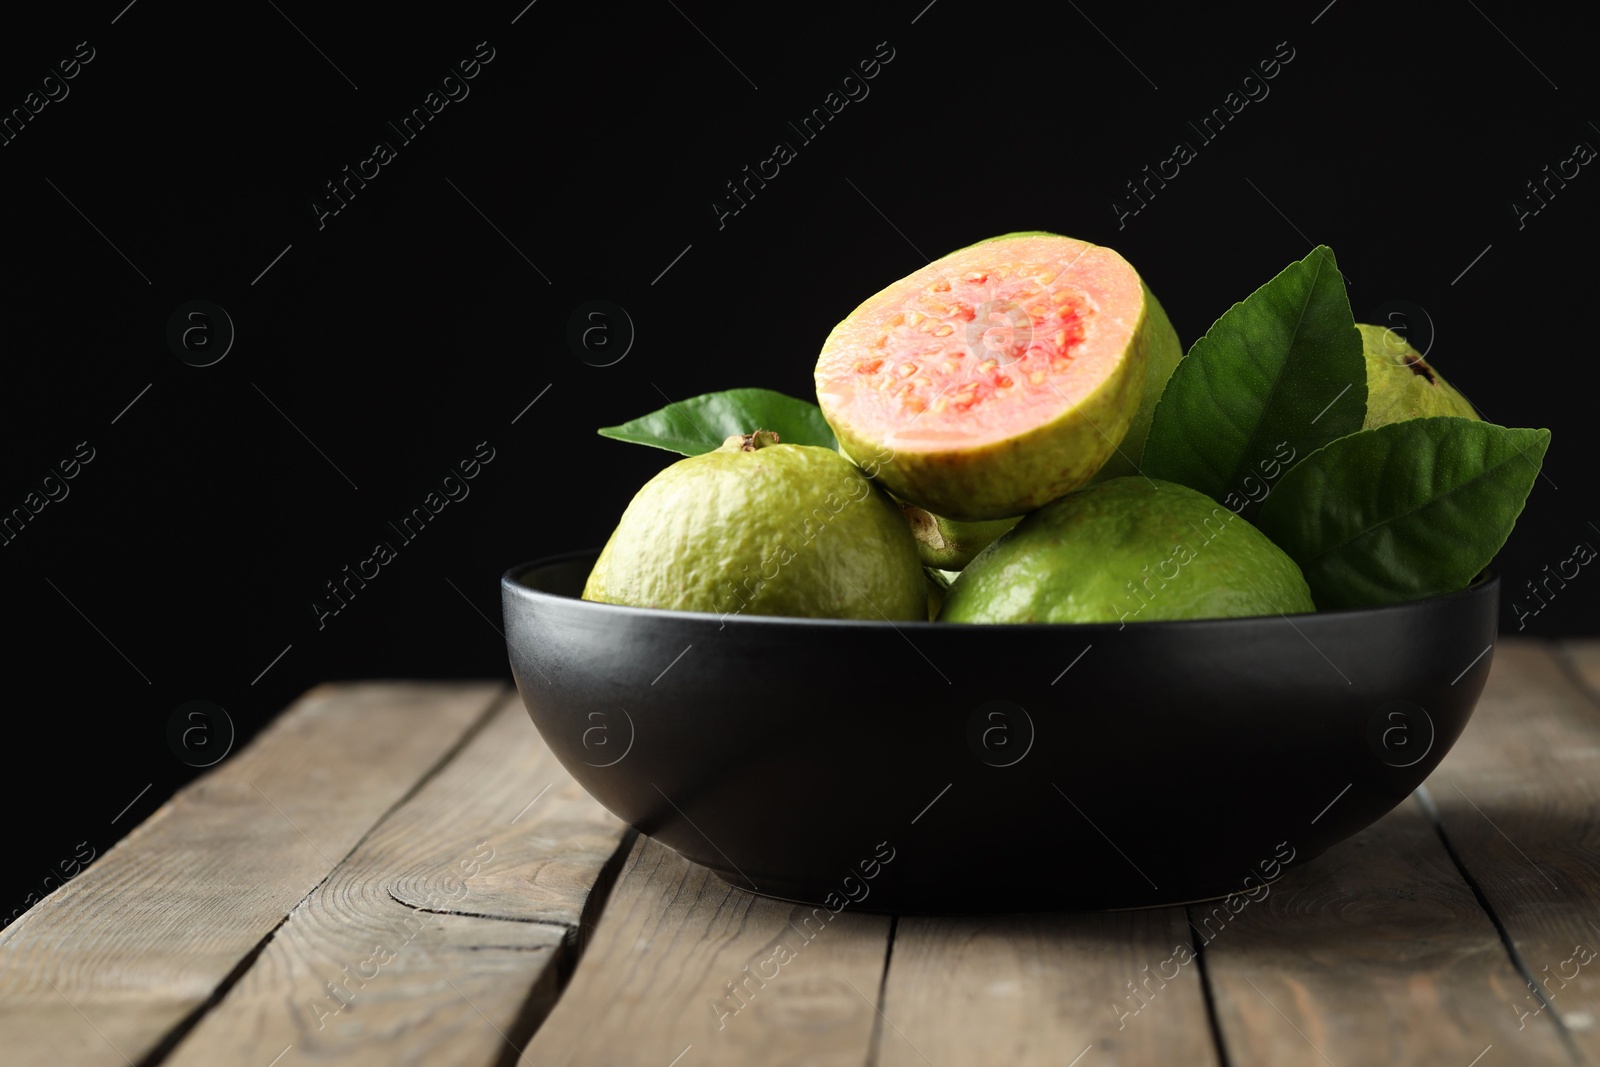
(1278, 376)
(700, 424)
(1406, 510)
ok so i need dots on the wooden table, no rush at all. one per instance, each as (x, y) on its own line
(403, 874)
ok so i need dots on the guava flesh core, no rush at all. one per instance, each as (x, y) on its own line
(1401, 385)
(757, 527)
(994, 379)
(1128, 550)
(1165, 350)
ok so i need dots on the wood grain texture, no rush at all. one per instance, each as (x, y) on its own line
(1375, 952)
(102, 969)
(441, 939)
(683, 964)
(1044, 989)
(430, 912)
(1584, 658)
(1519, 800)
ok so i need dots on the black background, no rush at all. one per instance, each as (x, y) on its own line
(387, 342)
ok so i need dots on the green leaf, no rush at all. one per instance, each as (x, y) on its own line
(1406, 510)
(1278, 376)
(701, 423)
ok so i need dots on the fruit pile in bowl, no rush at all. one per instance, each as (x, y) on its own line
(1053, 612)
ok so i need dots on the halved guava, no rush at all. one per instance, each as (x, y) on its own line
(997, 378)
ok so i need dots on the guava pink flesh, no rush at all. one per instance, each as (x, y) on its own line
(986, 344)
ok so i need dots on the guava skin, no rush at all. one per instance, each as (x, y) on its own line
(1128, 550)
(1162, 352)
(947, 544)
(762, 528)
(938, 586)
(1012, 475)
(1400, 385)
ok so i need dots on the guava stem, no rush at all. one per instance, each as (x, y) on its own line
(924, 527)
(749, 442)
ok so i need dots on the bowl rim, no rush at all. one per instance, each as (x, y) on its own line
(1486, 583)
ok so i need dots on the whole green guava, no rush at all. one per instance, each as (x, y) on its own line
(1128, 550)
(1400, 385)
(945, 544)
(762, 528)
(938, 586)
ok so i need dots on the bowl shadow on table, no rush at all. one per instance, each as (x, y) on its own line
(936, 768)
(1397, 896)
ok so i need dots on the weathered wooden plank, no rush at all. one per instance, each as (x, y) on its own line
(681, 960)
(1375, 952)
(102, 969)
(1584, 656)
(1519, 800)
(441, 938)
(1045, 989)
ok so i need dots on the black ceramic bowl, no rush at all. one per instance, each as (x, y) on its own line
(933, 767)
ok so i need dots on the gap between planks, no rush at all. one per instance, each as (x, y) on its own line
(191, 940)
(111, 962)
(447, 934)
(1378, 951)
(1518, 803)
(1519, 808)
(171, 1040)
